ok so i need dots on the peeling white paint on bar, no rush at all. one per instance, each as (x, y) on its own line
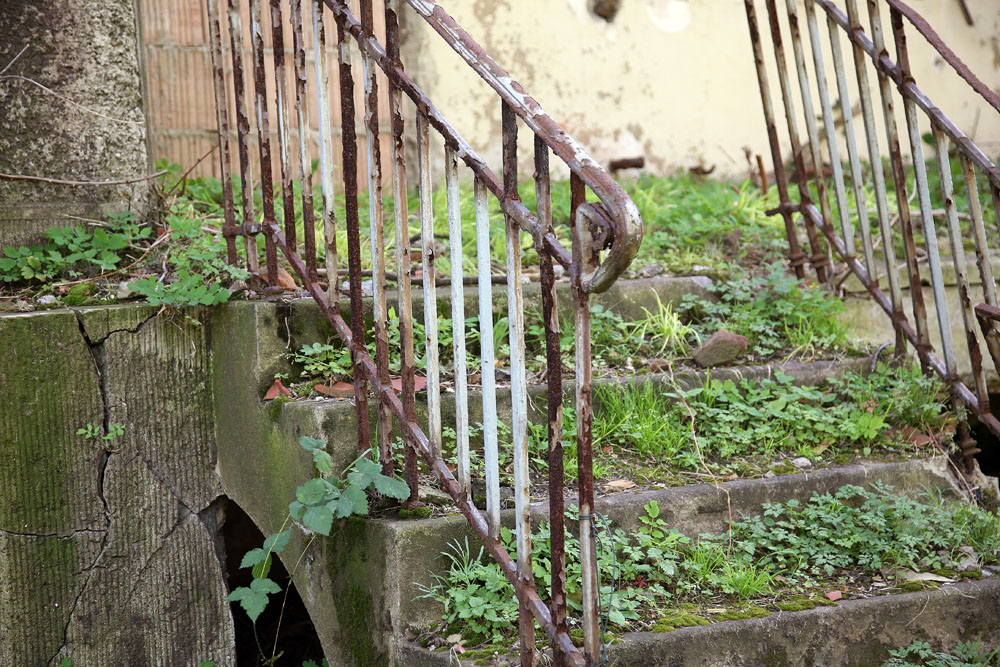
(458, 321)
(326, 149)
(431, 354)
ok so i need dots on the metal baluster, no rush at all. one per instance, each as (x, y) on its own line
(796, 258)
(349, 143)
(553, 365)
(305, 139)
(592, 639)
(284, 135)
(878, 177)
(899, 179)
(815, 149)
(458, 321)
(428, 257)
(830, 131)
(518, 384)
(249, 228)
(857, 175)
(326, 152)
(983, 258)
(818, 258)
(961, 269)
(381, 313)
(487, 353)
(222, 121)
(264, 141)
(402, 238)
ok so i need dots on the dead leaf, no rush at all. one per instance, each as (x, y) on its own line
(419, 382)
(476, 378)
(619, 485)
(910, 575)
(458, 648)
(833, 596)
(277, 389)
(285, 280)
(454, 638)
(822, 447)
(337, 389)
(716, 610)
(608, 449)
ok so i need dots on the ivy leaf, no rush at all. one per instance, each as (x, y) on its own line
(311, 444)
(311, 492)
(322, 461)
(277, 542)
(253, 557)
(318, 519)
(392, 487)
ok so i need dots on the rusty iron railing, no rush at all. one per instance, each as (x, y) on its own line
(611, 224)
(812, 158)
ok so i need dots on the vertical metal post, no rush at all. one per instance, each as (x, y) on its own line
(380, 308)
(553, 366)
(305, 139)
(402, 239)
(983, 258)
(491, 454)
(243, 136)
(518, 384)
(326, 152)
(796, 257)
(818, 258)
(264, 141)
(428, 254)
(222, 121)
(458, 321)
(349, 145)
(899, 179)
(592, 639)
(284, 135)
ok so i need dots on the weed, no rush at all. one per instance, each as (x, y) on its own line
(920, 654)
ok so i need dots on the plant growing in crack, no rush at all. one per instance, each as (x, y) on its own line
(94, 431)
(318, 504)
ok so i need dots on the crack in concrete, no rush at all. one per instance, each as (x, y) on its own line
(61, 536)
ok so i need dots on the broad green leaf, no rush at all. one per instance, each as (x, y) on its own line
(322, 461)
(310, 444)
(355, 499)
(364, 473)
(277, 542)
(311, 492)
(253, 602)
(295, 509)
(264, 585)
(263, 568)
(253, 557)
(392, 487)
(318, 519)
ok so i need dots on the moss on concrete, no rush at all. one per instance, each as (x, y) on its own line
(678, 618)
(741, 613)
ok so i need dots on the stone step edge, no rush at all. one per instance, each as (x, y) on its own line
(854, 633)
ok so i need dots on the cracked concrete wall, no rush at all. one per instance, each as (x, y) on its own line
(88, 122)
(108, 555)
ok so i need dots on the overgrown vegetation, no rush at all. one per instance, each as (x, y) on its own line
(920, 654)
(785, 559)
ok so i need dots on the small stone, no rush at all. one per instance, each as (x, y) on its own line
(124, 290)
(651, 270)
(619, 485)
(969, 561)
(47, 300)
(721, 348)
(802, 463)
(453, 639)
(769, 474)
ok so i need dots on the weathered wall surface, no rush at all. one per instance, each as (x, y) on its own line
(672, 80)
(108, 551)
(88, 126)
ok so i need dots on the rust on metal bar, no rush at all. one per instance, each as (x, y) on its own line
(222, 120)
(326, 151)
(553, 373)
(263, 139)
(349, 143)
(402, 239)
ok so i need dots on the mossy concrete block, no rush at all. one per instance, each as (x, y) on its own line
(92, 129)
(107, 548)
